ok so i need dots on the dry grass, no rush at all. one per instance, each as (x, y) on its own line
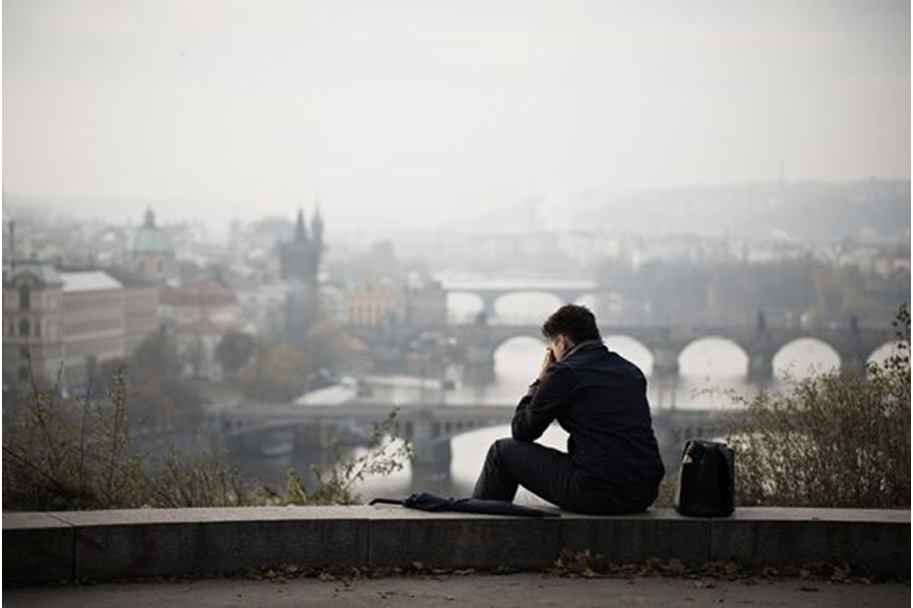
(61, 455)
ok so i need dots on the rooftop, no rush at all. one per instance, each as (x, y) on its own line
(43, 272)
(88, 280)
(150, 239)
(204, 292)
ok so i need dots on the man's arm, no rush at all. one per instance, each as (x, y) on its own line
(546, 400)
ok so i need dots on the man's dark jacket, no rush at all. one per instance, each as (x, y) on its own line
(600, 399)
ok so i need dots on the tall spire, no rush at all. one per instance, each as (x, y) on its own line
(149, 220)
(317, 224)
(301, 234)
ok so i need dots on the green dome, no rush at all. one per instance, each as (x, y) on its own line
(149, 238)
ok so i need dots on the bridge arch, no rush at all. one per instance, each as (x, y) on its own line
(526, 307)
(519, 357)
(590, 300)
(713, 356)
(631, 349)
(883, 352)
(805, 356)
(464, 306)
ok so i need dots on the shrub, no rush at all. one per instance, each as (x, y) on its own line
(835, 440)
(61, 455)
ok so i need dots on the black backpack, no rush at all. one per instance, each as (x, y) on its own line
(706, 480)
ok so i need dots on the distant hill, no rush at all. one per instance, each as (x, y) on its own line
(804, 211)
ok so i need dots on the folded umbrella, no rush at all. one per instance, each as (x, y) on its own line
(426, 501)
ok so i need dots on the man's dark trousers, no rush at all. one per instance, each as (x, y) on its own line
(546, 472)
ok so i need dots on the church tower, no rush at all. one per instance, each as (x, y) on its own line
(299, 261)
(300, 258)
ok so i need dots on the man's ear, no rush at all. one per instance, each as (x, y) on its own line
(565, 344)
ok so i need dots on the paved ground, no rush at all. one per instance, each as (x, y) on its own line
(521, 590)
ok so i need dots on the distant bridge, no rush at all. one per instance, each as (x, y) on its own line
(477, 343)
(490, 291)
(430, 428)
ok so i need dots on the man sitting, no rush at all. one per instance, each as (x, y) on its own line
(612, 464)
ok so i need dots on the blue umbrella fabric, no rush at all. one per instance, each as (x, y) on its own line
(425, 501)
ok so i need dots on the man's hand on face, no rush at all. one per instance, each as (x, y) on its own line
(549, 359)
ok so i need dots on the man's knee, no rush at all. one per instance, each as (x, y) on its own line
(498, 447)
(502, 450)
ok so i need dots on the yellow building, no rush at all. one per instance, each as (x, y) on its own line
(369, 306)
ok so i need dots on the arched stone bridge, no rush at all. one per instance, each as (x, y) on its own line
(490, 291)
(254, 426)
(477, 343)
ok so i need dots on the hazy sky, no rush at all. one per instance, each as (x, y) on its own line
(413, 113)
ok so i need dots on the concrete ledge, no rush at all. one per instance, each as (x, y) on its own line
(126, 544)
(105, 545)
(39, 548)
(877, 541)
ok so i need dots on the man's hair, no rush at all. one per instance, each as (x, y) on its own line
(575, 322)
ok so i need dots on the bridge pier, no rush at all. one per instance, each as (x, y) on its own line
(665, 362)
(852, 354)
(431, 448)
(853, 362)
(488, 304)
(760, 366)
(761, 353)
(432, 461)
(478, 365)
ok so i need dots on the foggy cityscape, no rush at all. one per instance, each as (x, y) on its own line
(269, 225)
